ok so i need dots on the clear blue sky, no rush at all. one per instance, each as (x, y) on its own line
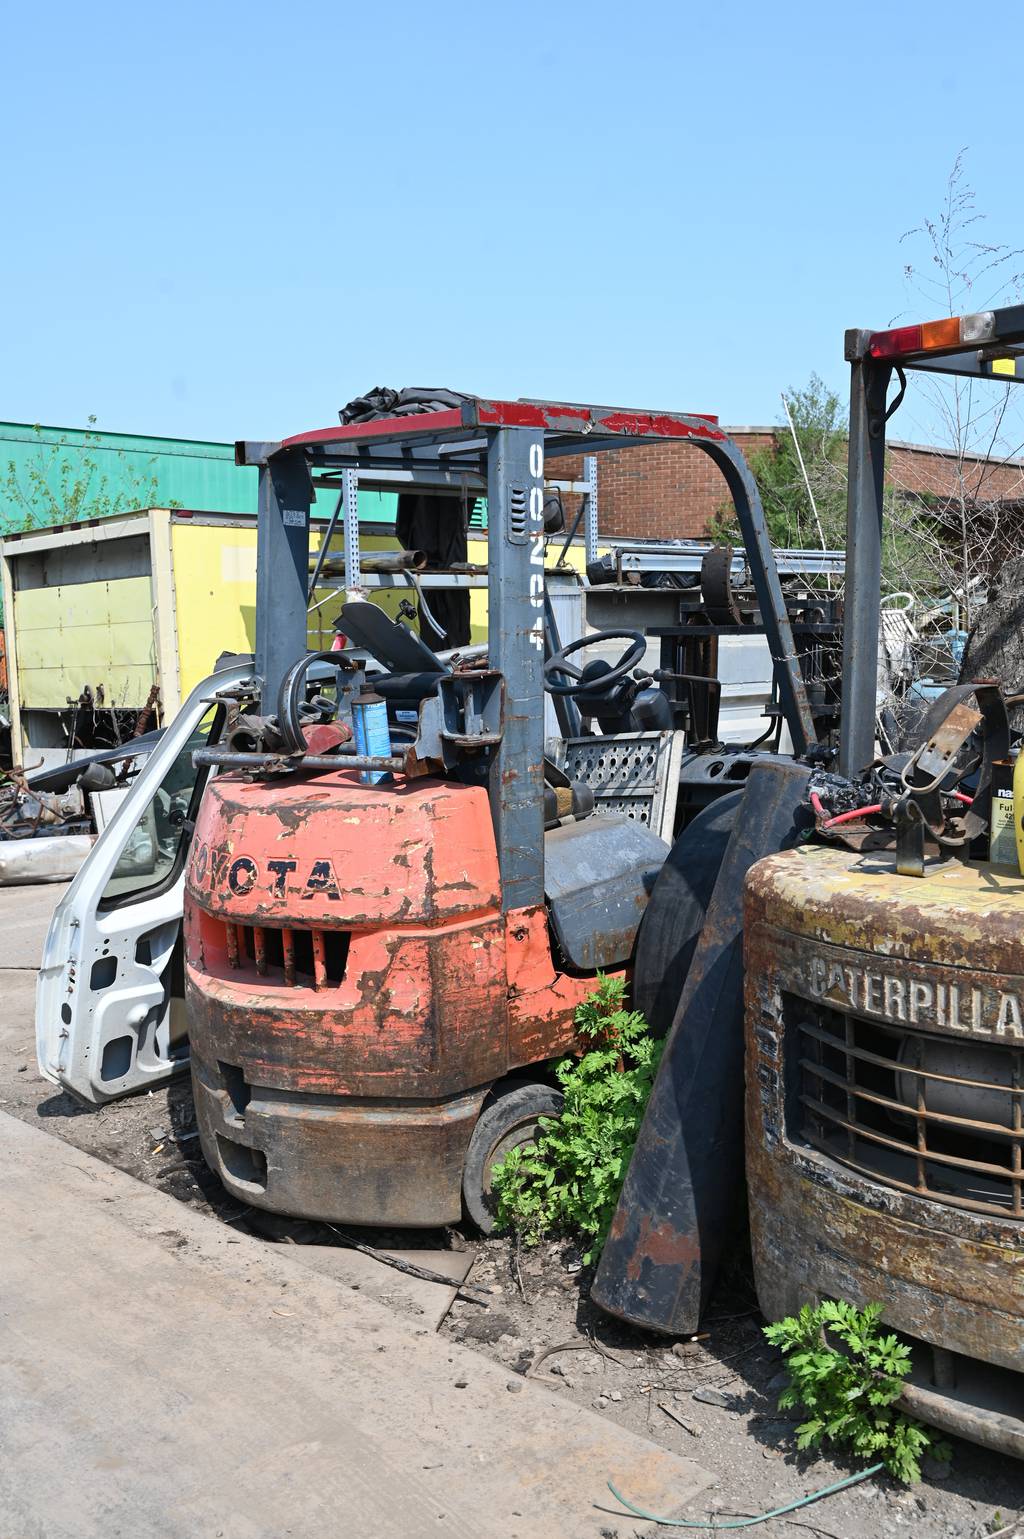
(224, 220)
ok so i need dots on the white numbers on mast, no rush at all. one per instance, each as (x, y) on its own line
(536, 506)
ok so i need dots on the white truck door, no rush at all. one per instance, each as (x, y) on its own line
(109, 1001)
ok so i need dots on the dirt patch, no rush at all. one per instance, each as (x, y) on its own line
(712, 1399)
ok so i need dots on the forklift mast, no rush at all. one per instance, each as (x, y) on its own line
(502, 448)
(986, 346)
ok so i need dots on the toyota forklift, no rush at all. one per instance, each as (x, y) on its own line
(387, 932)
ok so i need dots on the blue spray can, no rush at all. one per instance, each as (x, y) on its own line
(370, 723)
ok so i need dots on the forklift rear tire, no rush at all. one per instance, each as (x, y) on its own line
(509, 1121)
(675, 912)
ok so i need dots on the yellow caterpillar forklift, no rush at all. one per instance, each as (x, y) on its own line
(883, 959)
(885, 998)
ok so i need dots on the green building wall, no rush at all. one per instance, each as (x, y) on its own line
(54, 475)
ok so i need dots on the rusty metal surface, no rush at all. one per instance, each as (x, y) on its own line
(942, 758)
(417, 1012)
(967, 916)
(361, 1094)
(356, 1095)
(334, 1158)
(997, 1429)
(661, 1256)
(867, 1099)
(716, 586)
(353, 992)
(266, 854)
(541, 1002)
(917, 988)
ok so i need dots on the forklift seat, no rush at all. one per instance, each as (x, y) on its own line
(395, 646)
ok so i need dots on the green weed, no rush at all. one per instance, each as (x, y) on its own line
(850, 1394)
(568, 1182)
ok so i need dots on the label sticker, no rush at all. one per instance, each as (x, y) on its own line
(293, 518)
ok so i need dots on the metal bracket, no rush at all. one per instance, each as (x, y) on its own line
(947, 726)
(472, 708)
(910, 832)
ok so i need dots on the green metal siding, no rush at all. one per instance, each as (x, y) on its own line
(120, 471)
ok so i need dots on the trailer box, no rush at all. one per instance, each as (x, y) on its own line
(153, 598)
(126, 603)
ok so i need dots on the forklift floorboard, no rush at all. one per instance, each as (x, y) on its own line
(160, 1374)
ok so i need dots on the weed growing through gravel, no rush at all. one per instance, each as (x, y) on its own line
(850, 1392)
(568, 1182)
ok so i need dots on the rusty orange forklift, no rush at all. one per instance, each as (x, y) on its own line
(384, 949)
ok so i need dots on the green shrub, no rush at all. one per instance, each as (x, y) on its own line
(850, 1393)
(568, 1182)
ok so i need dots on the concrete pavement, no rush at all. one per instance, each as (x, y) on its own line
(161, 1375)
(25, 914)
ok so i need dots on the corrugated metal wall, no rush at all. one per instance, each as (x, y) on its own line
(53, 475)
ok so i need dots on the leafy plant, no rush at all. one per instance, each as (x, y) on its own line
(569, 1180)
(850, 1390)
(818, 419)
(63, 482)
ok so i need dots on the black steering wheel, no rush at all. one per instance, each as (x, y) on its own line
(604, 681)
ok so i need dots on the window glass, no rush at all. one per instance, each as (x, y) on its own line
(160, 837)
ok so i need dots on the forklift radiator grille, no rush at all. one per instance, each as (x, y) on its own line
(295, 958)
(937, 1117)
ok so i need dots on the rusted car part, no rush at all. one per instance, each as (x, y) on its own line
(673, 1216)
(885, 1114)
(26, 812)
(716, 586)
(950, 729)
(94, 724)
(149, 715)
(52, 802)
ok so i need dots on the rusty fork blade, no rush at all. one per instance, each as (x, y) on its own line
(259, 941)
(288, 949)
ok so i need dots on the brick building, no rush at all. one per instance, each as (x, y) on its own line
(670, 491)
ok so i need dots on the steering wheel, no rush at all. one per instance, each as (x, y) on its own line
(604, 681)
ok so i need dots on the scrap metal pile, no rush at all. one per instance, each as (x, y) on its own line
(50, 816)
(25, 813)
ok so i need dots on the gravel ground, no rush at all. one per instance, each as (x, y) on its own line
(720, 1390)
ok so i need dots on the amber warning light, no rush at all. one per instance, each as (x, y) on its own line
(931, 336)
